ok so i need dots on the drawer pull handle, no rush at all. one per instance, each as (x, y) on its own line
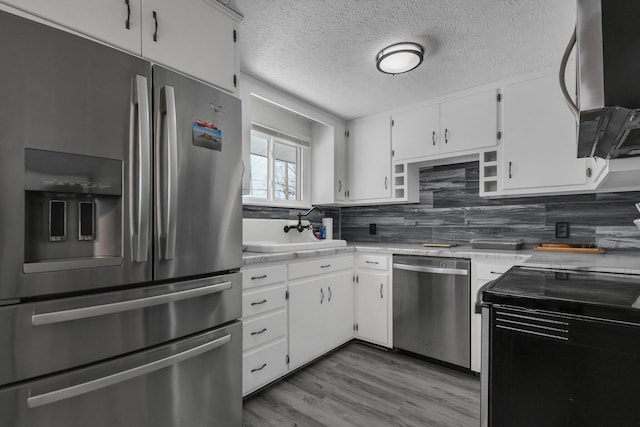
(264, 365)
(260, 302)
(126, 24)
(325, 266)
(259, 332)
(372, 262)
(329, 288)
(494, 272)
(264, 276)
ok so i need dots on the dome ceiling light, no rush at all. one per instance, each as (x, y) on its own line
(399, 58)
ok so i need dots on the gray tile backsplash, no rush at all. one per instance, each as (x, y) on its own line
(450, 210)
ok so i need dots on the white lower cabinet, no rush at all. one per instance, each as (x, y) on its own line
(264, 332)
(320, 315)
(482, 273)
(373, 300)
(371, 307)
(261, 366)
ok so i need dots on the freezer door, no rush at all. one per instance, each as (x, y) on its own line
(195, 382)
(198, 144)
(44, 337)
(74, 127)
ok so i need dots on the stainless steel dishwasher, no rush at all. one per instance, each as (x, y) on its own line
(431, 307)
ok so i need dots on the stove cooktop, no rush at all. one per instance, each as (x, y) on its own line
(614, 296)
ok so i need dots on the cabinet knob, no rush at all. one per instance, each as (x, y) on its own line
(329, 289)
(321, 296)
(386, 183)
(339, 186)
(381, 296)
(433, 138)
(446, 136)
(509, 170)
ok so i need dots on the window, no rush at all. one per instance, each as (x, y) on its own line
(277, 161)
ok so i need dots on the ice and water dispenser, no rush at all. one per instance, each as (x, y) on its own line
(73, 206)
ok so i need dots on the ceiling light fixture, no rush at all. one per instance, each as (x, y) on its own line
(399, 58)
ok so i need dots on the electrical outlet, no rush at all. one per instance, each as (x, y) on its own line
(373, 229)
(562, 230)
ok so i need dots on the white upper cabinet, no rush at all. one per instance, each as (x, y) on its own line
(539, 137)
(462, 124)
(328, 173)
(416, 133)
(370, 158)
(469, 122)
(192, 36)
(104, 20)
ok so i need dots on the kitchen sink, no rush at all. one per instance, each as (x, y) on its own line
(289, 247)
(268, 235)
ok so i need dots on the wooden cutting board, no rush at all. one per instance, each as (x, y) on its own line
(562, 247)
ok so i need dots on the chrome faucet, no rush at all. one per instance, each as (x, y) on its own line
(299, 226)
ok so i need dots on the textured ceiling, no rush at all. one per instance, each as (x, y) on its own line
(323, 51)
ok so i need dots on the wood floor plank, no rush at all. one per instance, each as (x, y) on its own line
(360, 385)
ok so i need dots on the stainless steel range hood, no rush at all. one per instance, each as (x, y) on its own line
(608, 55)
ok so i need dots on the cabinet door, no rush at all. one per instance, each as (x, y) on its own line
(539, 137)
(372, 307)
(339, 326)
(191, 36)
(340, 164)
(370, 158)
(308, 301)
(103, 20)
(416, 133)
(469, 123)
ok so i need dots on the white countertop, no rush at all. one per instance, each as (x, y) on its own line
(613, 261)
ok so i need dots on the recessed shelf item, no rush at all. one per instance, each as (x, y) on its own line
(490, 186)
(399, 193)
(490, 156)
(399, 168)
(490, 171)
(399, 180)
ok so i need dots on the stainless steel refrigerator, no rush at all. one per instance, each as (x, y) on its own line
(120, 238)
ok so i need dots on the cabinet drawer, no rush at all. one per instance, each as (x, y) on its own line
(490, 271)
(262, 300)
(376, 262)
(265, 275)
(262, 329)
(319, 266)
(262, 366)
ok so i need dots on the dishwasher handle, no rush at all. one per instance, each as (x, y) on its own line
(436, 270)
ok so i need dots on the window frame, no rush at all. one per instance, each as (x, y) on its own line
(303, 169)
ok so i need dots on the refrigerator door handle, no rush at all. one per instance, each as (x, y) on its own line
(167, 191)
(118, 307)
(89, 386)
(139, 169)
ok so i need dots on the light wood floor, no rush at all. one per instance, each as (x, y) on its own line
(360, 385)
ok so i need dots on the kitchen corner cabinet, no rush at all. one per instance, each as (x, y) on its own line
(539, 137)
(191, 36)
(373, 299)
(103, 20)
(462, 124)
(370, 158)
(320, 308)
